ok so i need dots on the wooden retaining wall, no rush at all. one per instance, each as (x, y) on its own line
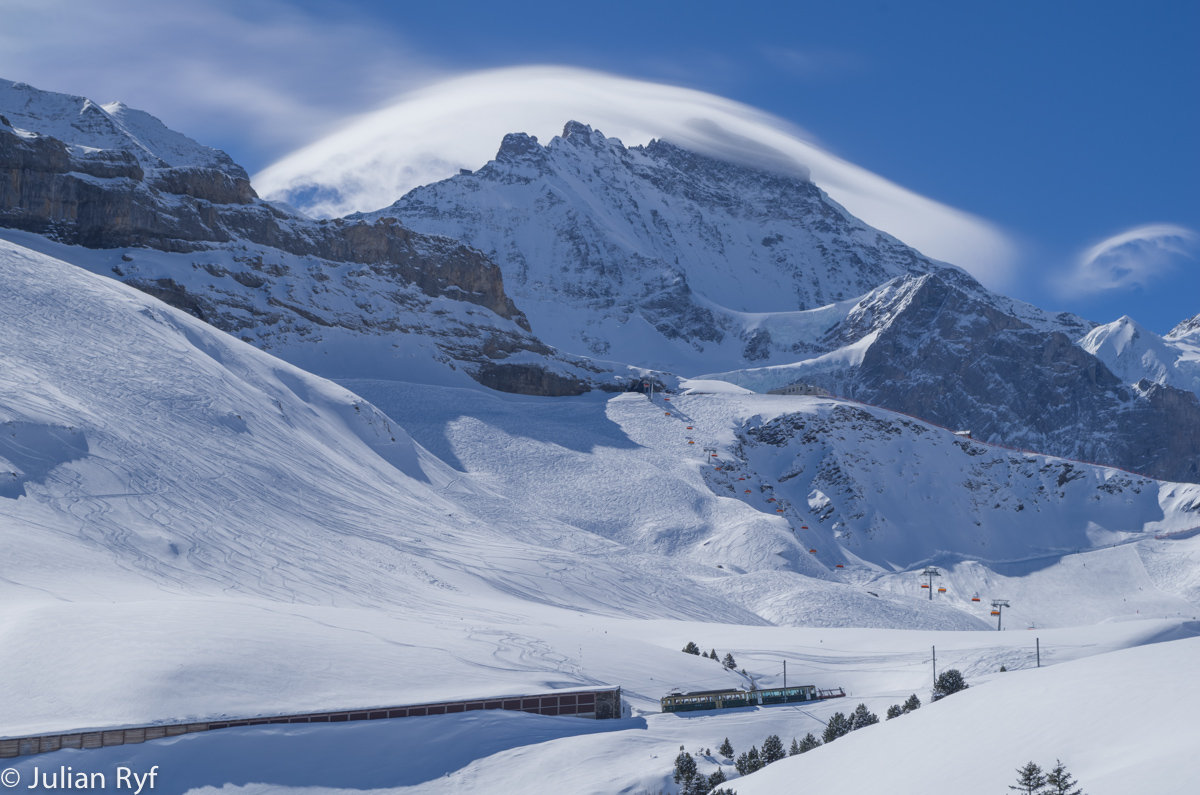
(599, 704)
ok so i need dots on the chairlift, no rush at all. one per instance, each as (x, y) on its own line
(778, 510)
(995, 612)
(812, 551)
(690, 441)
(690, 428)
(771, 499)
(839, 566)
(975, 598)
(667, 413)
(747, 491)
(803, 527)
(941, 589)
(923, 585)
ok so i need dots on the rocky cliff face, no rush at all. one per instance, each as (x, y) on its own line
(252, 268)
(941, 349)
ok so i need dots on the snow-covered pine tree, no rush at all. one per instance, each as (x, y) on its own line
(716, 779)
(1060, 782)
(712, 655)
(754, 761)
(742, 765)
(1029, 779)
(948, 682)
(729, 662)
(691, 648)
(685, 768)
(808, 743)
(912, 704)
(862, 717)
(726, 749)
(795, 749)
(838, 725)
(895, 711)
(772, 750)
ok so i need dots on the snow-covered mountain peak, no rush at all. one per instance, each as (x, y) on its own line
(1186, 328)
(91, 129)
(652, 254)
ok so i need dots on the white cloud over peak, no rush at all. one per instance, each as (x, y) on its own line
(1134, 258)
(430, 133)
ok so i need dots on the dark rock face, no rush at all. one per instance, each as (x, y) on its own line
(943, 354)
(372, 279)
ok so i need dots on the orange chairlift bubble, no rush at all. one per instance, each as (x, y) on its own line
(747, 491)
(771, 499)
(924, 586)
(840, 566)
(995, 612)
(690, 428)
(667, 413)
(941, 589)
(975, 598)
(812, 551)
(778, 510)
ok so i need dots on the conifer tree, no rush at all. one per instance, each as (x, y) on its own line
(729, 662)
(895, 711)
(838, 725)
(1029, 779)
(691, 648)
(912, 704)
(795, 749)
(948, 682)
(808, 743)
(862, 717)
(726, 749)
(716, 779)
(742, 765)
(753, 759)
(723, 791)
(712, 655)
(1003, 669)
(685, 768)
(1060, 782)
(772, 750)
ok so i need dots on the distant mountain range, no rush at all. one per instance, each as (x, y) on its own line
(583, 264)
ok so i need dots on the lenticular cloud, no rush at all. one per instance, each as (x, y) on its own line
(1131, 259)
(430, 134)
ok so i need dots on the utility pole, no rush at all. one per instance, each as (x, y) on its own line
(785, 674)
(998, 605)
(934, 666)
(1039, 651)
(931, 572)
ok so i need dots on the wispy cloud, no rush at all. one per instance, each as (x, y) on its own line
(259, 69)
(428, 134)
(1132, 259)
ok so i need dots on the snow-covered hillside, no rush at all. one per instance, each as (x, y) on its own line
(1117, 721)
(204, 531)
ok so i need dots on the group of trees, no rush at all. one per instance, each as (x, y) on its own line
(896, 710)
(1032, 781)
(693, 782)
(840, 724)
(728, 662)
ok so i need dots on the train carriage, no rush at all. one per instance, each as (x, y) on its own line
(729, 699)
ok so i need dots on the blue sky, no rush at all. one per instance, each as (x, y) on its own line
(1065, 124)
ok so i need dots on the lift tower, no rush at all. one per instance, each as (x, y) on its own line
(931, 572)
(998, 606)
